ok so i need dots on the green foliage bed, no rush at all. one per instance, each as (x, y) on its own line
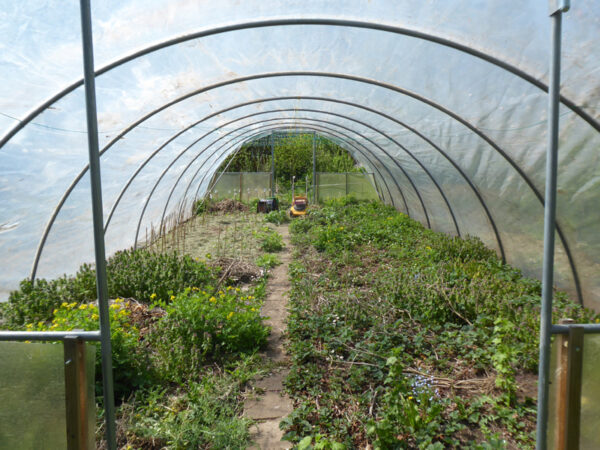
(401, 337)
(184, 345)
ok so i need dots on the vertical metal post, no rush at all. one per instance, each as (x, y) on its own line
(272, 165)
(314, 176)
(101, 282)
(549, 227)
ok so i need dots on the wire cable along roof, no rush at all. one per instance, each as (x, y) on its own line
(443, 101)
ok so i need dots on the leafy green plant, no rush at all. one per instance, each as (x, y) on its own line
(202, 414)
(386, 316)
(268, 261)
(131, 367)
(200, 326)
(146, 275)
(270, 240)
(277, 217)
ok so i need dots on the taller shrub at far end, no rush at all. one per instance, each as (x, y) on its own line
(146, 275)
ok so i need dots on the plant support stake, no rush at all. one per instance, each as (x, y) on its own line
(556, 11)
(101, 282)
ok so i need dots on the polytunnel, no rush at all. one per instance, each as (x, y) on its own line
(444, 101)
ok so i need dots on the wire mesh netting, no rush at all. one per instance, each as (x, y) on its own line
(242, 186)
(336, 185)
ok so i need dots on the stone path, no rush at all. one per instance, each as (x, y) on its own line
(271, 404)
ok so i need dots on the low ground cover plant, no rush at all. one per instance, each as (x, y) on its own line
(270, 240)
(202, 326)
(401, 337)
(277, 217)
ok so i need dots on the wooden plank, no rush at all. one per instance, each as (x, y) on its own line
(76, 394)
(573, 400)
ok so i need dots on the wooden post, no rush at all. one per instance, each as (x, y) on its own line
(76, 394)
(568, 398)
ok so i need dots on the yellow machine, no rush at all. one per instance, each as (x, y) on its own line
(299, 202)
(299, 206)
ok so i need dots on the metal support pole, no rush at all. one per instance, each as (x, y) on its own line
(314, 175)
(101, 282)
(272, 165)
(549, 231)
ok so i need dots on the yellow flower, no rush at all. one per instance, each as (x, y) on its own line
(119, 300)
(82, 307)
(410, 397)
(153, 296)
(230, 315)
(221, 292)
(252, 309)
(341, 228)
(172, 297)
(94, 316)
(428, 247)
(55, 311)
(237, 289)
(64, 305)
(229, 288)
(212, 300)
(72, 305)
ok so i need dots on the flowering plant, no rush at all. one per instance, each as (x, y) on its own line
(201, 326)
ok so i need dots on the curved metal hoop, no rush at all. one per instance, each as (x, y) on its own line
(396, 89)
(236, 138)
(332, 100)
(275, 126)
(349, 130)
(233, 131)
(322, 128)
(534, 80)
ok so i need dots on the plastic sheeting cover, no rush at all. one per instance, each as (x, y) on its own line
(454, 140)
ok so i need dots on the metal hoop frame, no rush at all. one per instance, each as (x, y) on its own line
(532, 79)
(215, 151)
(396, 89)
(333, 100)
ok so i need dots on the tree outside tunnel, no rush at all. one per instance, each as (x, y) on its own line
(293, 157)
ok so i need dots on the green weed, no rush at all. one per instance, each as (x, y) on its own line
(388, 319)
